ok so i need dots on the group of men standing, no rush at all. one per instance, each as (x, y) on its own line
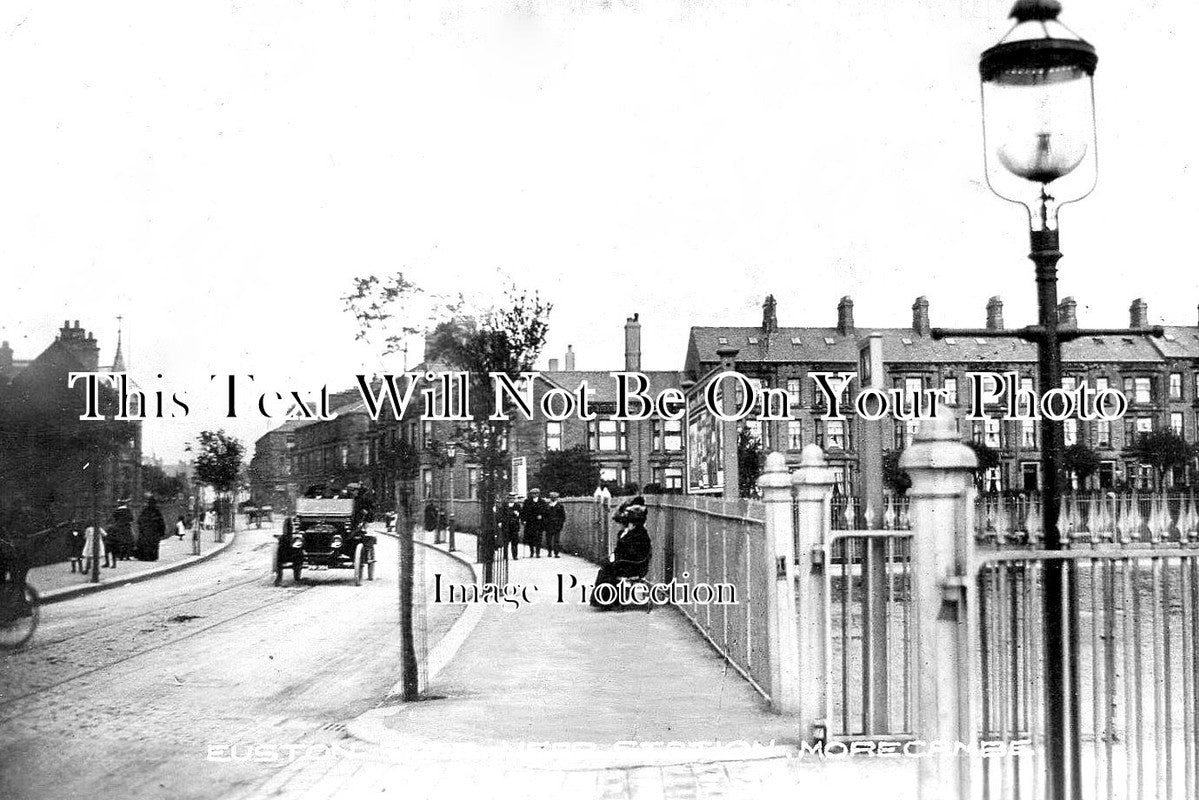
(541, 520)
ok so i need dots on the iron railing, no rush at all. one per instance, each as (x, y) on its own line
(1136, 612)
(1086, 519)
(870, 634)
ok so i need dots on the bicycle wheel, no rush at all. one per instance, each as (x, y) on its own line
(19, 614)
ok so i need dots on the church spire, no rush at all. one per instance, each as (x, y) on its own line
(118, 361)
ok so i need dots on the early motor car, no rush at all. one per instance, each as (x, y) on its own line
(326, 533)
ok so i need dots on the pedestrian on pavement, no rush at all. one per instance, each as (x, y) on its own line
(151, 528)
(510, 523)
(555, 520)
(180, 528)
(532, 515)
(630, 559)
(88, 551)
(120, 532)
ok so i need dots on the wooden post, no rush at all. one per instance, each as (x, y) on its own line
(813, 485)
(775, 483)
(942, 514)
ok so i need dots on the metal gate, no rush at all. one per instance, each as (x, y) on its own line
(869, 625)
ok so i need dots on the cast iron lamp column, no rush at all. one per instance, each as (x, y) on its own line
(1039, 140)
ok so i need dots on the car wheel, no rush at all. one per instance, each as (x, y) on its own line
(358, 562)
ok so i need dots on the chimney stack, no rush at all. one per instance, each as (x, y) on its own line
(770, 319)
(1067, 313)
(995, 314)
(920, 322)
(845, 316)
(632, 344)
(553, 365)
(1138, 314)
(570, 358)
(81, 344)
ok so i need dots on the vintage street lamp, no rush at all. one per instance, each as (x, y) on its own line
(1039, 140)
(1039, 116)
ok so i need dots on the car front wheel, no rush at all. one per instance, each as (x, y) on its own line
(359, 561)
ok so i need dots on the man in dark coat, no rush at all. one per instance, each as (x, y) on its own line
(555, 520)
(633, 550)
(533, 517)
(151, 528)
(509, 519)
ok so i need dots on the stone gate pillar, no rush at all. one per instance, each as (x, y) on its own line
(813, 483)
(942, 518)
(775, 483)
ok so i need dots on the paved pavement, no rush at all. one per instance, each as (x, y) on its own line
(56, 581)
(160, 688)
(560, 700)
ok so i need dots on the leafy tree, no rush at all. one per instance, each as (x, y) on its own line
(750, 458)
(218, 460)
(988, 457)
(1081, 461)
(570, 472)
(1163, 450)
(219, 465)
(896, 479)
(158, 483)
(505, 339)
(391, 311)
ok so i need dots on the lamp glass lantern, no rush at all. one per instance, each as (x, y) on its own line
(1039, 113)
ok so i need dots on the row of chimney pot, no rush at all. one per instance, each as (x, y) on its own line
(1067, 313)
(1138, 317)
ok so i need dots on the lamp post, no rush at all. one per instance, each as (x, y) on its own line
(451, 452)
(1039, 142)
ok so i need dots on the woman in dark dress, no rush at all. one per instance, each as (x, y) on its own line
(151, 527)
(120, 533)
(631, 557)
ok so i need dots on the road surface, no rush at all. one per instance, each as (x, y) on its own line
(144, 690)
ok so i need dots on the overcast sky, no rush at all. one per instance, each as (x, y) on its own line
(218, 172)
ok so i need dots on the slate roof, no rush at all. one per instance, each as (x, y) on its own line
(289, 425)
(904, 345)
(1179, 342)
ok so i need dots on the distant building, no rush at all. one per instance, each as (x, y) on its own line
(333, 452)
(47, 454)
(272, 481)
(644, 453)
(1160, 377)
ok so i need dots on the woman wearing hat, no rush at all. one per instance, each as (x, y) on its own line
(633, 550)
